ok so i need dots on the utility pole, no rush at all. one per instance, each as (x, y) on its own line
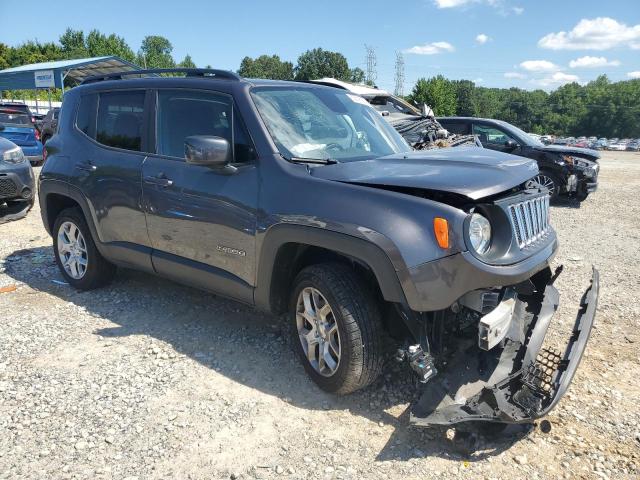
(399, 90)
(371, 65)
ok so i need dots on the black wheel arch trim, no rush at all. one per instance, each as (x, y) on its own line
(364, 251)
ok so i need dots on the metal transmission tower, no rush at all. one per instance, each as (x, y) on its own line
(371, 65)
(399, 90)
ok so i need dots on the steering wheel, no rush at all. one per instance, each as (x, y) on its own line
(334, 146)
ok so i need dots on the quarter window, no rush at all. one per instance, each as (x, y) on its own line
(86, 117)
(120, 118)
(185, 113)
(490, 136)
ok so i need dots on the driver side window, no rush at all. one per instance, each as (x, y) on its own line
(490, 136)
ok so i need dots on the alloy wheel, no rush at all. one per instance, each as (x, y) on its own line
(72, 250)
(318, 331)
(542, 180)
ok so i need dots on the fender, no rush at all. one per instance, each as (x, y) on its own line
(362, 250)
(121, 253)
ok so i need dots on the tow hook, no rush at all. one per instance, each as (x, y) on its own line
(419, 361)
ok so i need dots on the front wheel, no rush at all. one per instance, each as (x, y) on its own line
(337, 328)
(548, 180)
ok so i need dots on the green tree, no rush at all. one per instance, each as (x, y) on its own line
(155, 52)
(358, 75)
(99, 44)
(187, 62)
(437, 92)
(465, 89)
(73, 44)
(319, 63)
(265, 66)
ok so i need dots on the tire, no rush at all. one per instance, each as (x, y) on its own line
(543, 178)
(97, 271)
(356, 315)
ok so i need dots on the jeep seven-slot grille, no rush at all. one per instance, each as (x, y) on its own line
(7, 188)
(530, 220)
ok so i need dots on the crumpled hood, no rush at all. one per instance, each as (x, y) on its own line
(587, 153)
(470, 171)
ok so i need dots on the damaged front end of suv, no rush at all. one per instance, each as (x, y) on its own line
(478, 316)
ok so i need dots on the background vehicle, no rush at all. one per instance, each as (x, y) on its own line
(184, 177)
(17, 189)
(618, 145)
(563, 170)
(49, 124)
(418, 127)
(21, 107)
(633, 146)
(17, 127)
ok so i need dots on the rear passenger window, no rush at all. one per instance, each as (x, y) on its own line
(120, 118)
(86, 117)
(185, 113)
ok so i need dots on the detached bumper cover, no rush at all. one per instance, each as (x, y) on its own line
(527, 382)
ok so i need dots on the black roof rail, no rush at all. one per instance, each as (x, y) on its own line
(189, 72)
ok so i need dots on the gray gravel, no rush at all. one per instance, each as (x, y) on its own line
(148, 379)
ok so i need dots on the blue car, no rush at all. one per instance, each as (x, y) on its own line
(17, 182)
(17, 127)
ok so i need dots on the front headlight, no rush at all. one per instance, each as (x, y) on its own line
(479, 233)
(14, 155)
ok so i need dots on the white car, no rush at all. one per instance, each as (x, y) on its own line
(618, 146)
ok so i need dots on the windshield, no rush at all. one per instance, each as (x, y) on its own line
(15, 119)
(529, 140)
(322, 124)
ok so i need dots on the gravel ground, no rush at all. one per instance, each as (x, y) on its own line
(149, 379)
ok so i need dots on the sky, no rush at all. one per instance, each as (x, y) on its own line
(496, 43)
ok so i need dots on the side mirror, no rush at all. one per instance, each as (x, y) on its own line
(510, 145)
(207, 150)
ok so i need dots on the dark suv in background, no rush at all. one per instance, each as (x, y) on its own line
(302, 199)
(564, 170)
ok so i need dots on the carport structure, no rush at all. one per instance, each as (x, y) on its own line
(59, 73)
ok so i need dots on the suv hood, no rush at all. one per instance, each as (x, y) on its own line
(587, 153)
(472, 172)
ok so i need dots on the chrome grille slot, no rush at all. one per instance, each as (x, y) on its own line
(530, 220)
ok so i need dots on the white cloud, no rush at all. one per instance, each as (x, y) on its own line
(556, 79)
(600, 33)
(593, 62)
(514, 75)
(478, 80)
(482, 38)
(539, 66)
(450, 3)
(518, 10)
(432, 48)
(634, 74)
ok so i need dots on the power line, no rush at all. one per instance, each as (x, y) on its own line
(371, 65)
(399, 88)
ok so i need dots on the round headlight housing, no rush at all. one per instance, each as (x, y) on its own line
(14, 155)
(479, 233)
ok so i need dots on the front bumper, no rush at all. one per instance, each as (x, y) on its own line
(528, 380)
(17, 183)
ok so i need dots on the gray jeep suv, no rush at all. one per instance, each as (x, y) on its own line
(300, 198)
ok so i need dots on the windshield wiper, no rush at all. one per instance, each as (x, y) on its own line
(318, 161)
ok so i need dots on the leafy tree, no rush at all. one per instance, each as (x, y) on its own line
(265, 66)
(319, 63)
(73, 44)
(358, 75)
(187, 62)
(437, 92)
(99, 44)
(155, 52)
(465, 90)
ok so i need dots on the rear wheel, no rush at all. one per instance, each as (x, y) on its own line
(79, 260)
(337, 328)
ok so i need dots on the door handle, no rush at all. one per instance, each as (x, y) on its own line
(161, 181)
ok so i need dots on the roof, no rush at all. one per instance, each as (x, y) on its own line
(51, 74)
(358, 89)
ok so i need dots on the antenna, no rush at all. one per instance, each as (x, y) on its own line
(371, 65)
(399, 90)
